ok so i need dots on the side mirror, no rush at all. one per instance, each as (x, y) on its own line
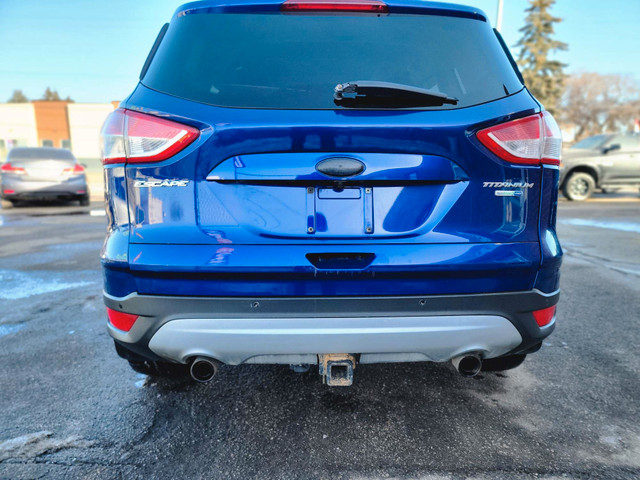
(611, 148)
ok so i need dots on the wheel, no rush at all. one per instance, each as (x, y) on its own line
(579, 186)
(85, 201)
(7, 204)
(501, 364)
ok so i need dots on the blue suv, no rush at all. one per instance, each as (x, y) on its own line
(330, 184)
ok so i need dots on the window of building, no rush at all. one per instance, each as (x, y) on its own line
(17, 142)
(47, 143)
(66, 144)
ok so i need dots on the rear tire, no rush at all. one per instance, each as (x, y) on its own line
(579, 186)
(7, 204)
(85, 201)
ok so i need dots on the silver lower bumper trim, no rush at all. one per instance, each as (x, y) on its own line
(378, 339)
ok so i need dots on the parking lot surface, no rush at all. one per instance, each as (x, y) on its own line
(70, 408)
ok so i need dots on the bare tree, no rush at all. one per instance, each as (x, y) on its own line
(597, 103)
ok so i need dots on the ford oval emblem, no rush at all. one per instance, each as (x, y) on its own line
(340, 167)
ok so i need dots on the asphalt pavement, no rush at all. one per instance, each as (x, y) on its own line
(70, 408)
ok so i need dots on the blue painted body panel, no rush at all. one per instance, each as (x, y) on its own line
(548, 278)
(255, 206)
(301, 167)
(284, 270)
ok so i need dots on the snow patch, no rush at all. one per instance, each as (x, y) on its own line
(620, 226)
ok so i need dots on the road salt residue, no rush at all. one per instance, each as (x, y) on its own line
(9, 329)
(621, 226)
(35, 444)
(17, 285)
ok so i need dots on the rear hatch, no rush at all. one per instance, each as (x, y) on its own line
(286, 192)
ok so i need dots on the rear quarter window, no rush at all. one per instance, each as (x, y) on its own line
(295, 61)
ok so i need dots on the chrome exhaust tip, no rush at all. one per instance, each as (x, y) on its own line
(468, 365)
(203, 369)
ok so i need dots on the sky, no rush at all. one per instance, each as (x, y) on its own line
(93, 50)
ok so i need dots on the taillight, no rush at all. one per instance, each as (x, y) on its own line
(543, 317)
(151, 139)
(120, 320)
(552, 147)
(77, 169)
(531, 140)
(345, 6)
(8, 168)
(133, 137)
(112, 138)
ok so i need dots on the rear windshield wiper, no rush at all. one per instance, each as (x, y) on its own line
(388, 95)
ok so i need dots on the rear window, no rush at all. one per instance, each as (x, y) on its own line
(26, 154)
(295, 61)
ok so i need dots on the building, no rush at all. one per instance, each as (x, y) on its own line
(17, 126)
(60, 124)
(85, 122)
(52, 123)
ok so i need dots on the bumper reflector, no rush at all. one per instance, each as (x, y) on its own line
(543, 317)
(120, 320)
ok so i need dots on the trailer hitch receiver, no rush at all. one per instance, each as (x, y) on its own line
(337, 369)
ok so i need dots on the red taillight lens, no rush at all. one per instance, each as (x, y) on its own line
(120, 320)
(545, 316)
(531, 140)
(151, 139)
(134, 137)
(75, 170)
(8, 168)
(345, 6)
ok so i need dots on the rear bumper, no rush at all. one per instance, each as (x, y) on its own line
(34, 190)
(296, 329)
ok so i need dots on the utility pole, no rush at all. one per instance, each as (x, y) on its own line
(499, 19)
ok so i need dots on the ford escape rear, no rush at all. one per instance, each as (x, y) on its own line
(331, 184)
